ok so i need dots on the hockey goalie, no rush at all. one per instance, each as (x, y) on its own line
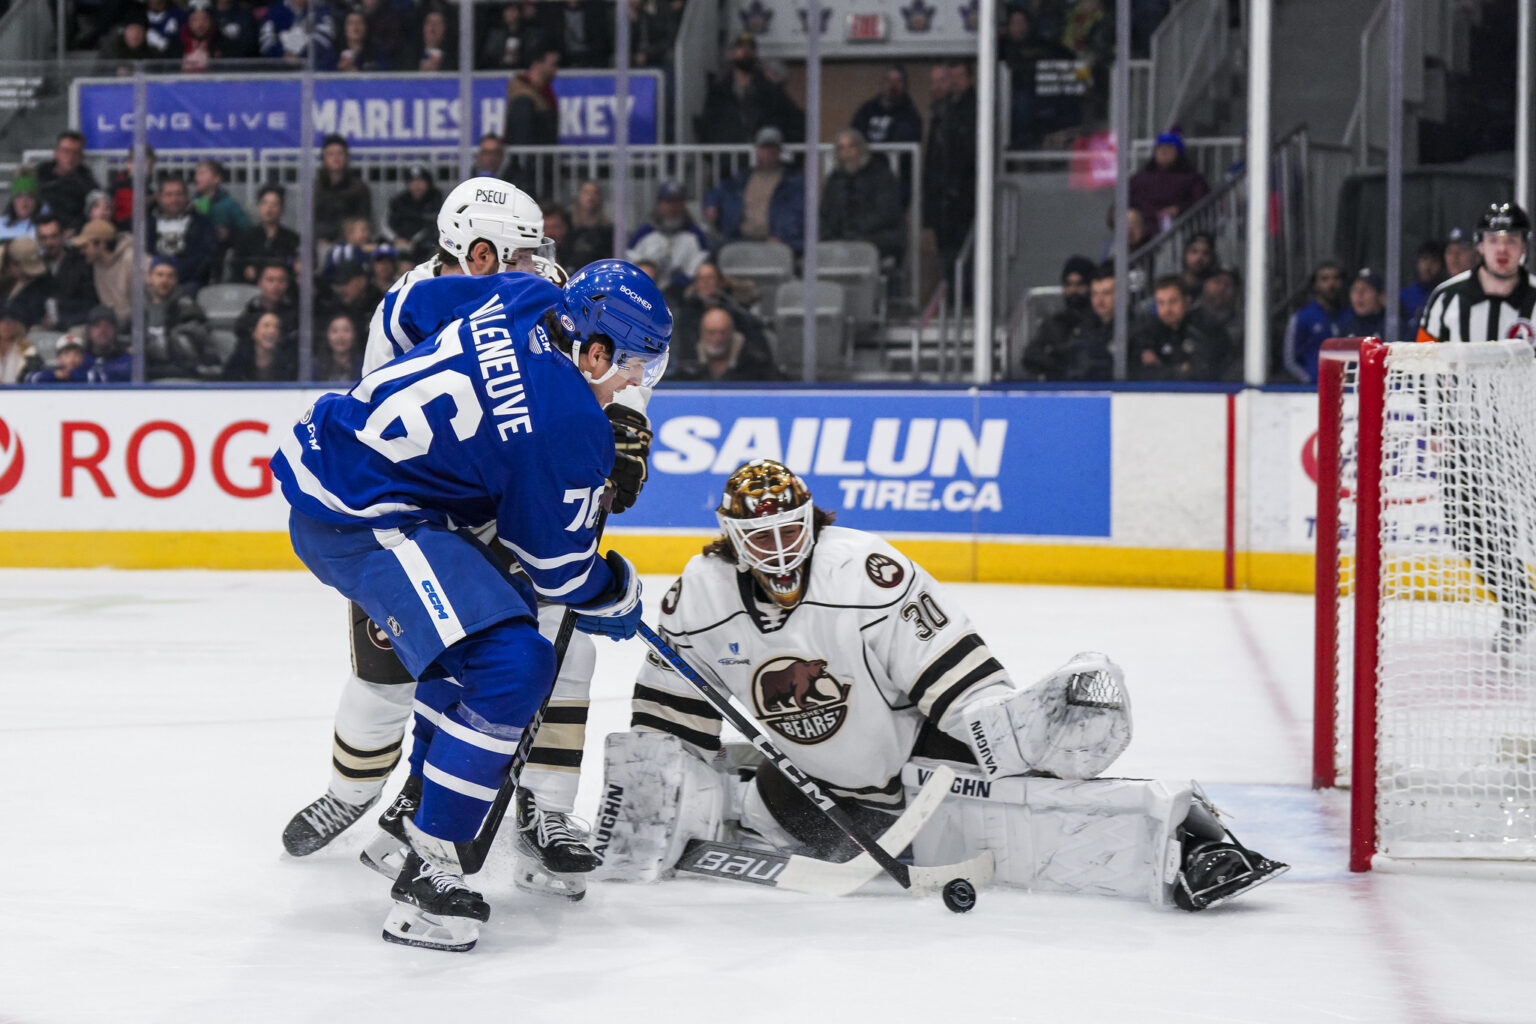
(868, 675)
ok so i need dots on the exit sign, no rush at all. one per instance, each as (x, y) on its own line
(866, 28)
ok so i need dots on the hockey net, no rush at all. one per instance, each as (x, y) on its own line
(1426, 680)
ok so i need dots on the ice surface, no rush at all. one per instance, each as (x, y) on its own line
(159, 729)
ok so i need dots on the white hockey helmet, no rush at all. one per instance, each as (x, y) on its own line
(489, 208)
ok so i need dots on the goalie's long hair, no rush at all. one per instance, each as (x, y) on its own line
(721, 547)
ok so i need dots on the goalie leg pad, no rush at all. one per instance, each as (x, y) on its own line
(657, 795)
(1107, 837)
(1072, 724)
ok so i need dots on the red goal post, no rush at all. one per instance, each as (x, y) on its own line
(1425, 679)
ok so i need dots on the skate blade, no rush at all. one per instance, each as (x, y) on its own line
(1279, 870)
(384, 854)
(540, 882)
(411, 926)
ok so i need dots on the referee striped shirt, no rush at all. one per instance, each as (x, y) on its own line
(1459, 310)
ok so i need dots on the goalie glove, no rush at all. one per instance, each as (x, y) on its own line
(631, 447)
(1071, 724)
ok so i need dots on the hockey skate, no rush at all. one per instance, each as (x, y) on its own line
(1216, 867)
(386, 851)
(320, 822)
(551, 853)
(433, 907)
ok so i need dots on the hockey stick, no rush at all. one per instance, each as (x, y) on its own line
(826, 878)
(721, 702)
(473, 853)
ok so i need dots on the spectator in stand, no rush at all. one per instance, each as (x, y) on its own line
(64, 181)
(1429, 271)
(269, 355)
(267, 240)
(111, 261)
(1175, 346)
(670, 239)
(433, 51)
(74, 292)
(201, 43)
(1033, 115)
(340, 361)
(340, 191)
(1135, 232)
(180, 233)
(1221, 304)
(19, 358)
(128, 45)
(98, 206)
(415, 209)
(111, 362)
(740, 104)
(237, 26)
(357, 52)
(28, 286)
(1316, 322)
(123, 193)
(1081, 353)
(1168, 185)
(387, 31)
(890, 115)
(355, 246)
(861, 200)
(557, 228)
(490, 157)
(724, 355)
(652, 33)
(591, 235)
(274, 295)
(70, 364)
(509, 41)
(175, 326)
(706, 292)
(1460, 254)
(1049, 352)
(224, 210)
(165, 23)
(949, 164)
(21, 210)
(764, 202)
(582, 31)
(285, 36)
(532, 117)
(351, 294)
(386, 268)
(1199, 258)
(1368, 307)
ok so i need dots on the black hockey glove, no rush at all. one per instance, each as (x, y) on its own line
(632, 446)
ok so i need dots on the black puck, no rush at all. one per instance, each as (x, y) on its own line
(959, 895)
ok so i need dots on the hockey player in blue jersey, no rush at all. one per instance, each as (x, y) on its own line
(498, 418)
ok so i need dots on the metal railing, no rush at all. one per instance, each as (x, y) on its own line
(1189, 49)
(244, 176)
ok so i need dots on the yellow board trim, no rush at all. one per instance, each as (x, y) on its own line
(952, 560)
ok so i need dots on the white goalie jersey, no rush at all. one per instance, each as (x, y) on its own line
(844, 681)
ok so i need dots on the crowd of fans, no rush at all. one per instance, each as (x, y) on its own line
(368, 35)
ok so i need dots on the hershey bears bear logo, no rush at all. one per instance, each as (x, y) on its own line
(884, 571)
(799, 699)
(669, 602)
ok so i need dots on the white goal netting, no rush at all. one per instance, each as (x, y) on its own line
(1455, 629)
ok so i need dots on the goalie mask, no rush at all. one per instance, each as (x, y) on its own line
(768, 517)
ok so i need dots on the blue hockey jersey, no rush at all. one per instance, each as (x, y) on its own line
(484, 421)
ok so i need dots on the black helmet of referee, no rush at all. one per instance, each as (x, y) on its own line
(1504, 217)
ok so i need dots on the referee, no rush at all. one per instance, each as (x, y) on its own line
(1492, 301)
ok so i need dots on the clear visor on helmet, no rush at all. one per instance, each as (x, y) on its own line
(774, 544)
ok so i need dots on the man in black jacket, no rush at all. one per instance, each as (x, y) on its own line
(1174, 345)
(181, 234)
(65, 181)
(1073, 344)
(340, 192)
(949, 164)
(745, 100)
(861, 200)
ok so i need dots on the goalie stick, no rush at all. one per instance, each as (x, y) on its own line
(721, 702)
(827, 878)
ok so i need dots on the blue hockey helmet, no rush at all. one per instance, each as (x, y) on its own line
(618, 300)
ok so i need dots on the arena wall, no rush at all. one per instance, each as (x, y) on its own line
(1123, 488)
